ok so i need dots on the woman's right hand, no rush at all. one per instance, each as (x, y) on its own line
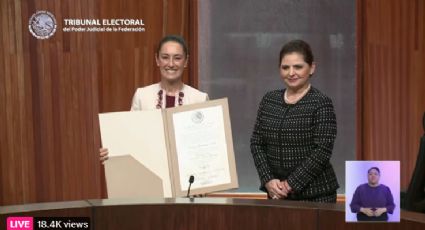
(367, 211)
(275, 189)
(103, 153)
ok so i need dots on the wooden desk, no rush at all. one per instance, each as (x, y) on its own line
(206, 213)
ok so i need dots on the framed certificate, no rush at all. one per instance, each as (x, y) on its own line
(201, 145)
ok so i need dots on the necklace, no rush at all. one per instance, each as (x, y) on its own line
(297, 98)
(160, 103)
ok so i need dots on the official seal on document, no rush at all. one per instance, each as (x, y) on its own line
(42, 24)
(197, 117)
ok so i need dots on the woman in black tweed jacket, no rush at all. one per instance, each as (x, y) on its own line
(294, 133)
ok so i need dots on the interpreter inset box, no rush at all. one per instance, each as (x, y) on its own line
(372, 191)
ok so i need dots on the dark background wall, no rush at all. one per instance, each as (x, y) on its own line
(240, 42)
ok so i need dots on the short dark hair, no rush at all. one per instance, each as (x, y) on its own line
(173, 38)
(376, 168)
(297, 46)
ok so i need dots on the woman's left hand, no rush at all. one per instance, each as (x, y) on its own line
(286, 187)
(379, 211)
(103, 155)
(275, 189)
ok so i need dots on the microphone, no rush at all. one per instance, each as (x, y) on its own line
(191, 180)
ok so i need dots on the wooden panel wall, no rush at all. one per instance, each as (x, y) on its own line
(391, 81)
(127, 62)
(49, 105)
(51, 91)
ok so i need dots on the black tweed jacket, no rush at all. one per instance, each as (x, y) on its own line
(294, 142)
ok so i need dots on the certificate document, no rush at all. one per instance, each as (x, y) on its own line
(201, 147)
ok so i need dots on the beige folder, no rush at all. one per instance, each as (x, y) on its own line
(127, 177)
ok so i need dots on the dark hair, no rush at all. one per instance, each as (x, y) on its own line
(173, 38)
(376, 168)
(297, 46)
